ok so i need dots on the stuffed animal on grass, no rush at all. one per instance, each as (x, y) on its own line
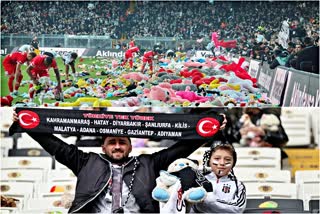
(194, 185)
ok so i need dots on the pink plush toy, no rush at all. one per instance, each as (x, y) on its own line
(163, 94)
(135, 76)
(114, 63)
(191, 96)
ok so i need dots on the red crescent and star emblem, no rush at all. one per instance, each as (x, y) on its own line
(207, 127)
(28, 119)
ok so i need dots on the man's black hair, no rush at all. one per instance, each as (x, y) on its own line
(105, 137)
(74, 55)
(48, 60)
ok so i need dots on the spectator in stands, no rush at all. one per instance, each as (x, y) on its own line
(262, 134)
(281, 58)
(229, 194)
(104, 179)
(35, 44)
(308, 58)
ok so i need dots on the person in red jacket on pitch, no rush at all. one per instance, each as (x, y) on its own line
(128, 56)
(12, 67)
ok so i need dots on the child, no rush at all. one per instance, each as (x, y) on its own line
(229, 194)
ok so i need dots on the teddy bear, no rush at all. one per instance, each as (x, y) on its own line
(270, 122)
(194, 185)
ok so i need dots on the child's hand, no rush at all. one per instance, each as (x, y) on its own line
(224, 123)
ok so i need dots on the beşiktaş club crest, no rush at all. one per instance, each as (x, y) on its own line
(28, 119)
(226, 188)
(207, 127)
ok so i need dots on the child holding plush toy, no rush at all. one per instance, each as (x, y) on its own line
(229, 194)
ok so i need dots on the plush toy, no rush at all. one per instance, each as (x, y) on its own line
(269, 122)
(164, 94)
(252, 136)
(6, 100)
(135, 76)
(194, 185)
(191, 96)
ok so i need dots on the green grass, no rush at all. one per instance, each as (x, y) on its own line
(24, 88)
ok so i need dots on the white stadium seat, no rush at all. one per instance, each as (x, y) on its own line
(6, 118)
(18, 190)
(22, 175)
(44, 205)
(6, 144)
(44, 163)
(296, 123)
(52, 189)
(254, 175)
(60, 175)
(308, 185)
(258, 163)
(97, 150)
(272, 190)
(315, 120)
(25, 142)
(261, 153)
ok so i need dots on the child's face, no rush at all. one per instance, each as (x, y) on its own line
(221, 162)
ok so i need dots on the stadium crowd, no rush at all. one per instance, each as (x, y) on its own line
(255, 25)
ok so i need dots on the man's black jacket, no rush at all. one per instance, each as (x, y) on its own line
(93, 171)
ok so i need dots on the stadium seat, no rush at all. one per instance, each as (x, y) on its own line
(308, 185)
(254, 175)
(145, 150)
(6, 118)
(260, 153)
(68, 140)
(296, 123)
(268, 205)
(97, 150)
(44, 205)
(272, 190)
(60, 175)
(25, 142)
(6, 144)
(315, 120)
(59, 166)
(44, 163)
(31, 152)
(303, 159)
(19, 190)
(22, 175)
(51, 189)
(314, 206)
(258, 163)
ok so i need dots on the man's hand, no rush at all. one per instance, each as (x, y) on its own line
(15, 117)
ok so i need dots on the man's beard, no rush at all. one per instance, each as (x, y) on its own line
(122, 160)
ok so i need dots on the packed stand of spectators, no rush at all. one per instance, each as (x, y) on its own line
(255, 25)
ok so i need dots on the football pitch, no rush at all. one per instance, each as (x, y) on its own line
(87, 65)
